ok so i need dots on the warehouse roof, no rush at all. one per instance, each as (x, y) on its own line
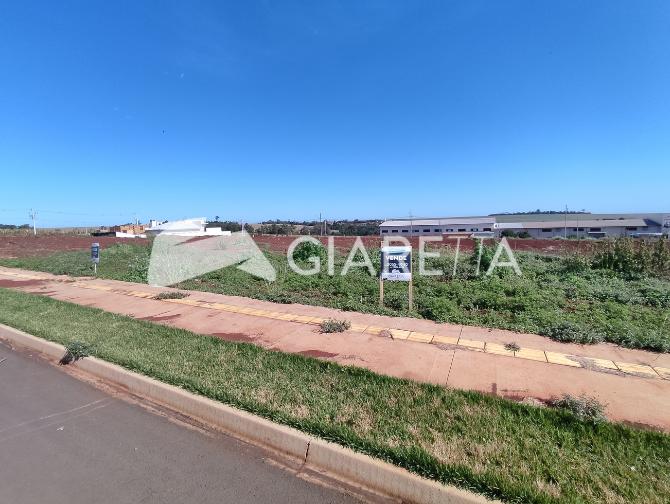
(447, 221)
(573, 223)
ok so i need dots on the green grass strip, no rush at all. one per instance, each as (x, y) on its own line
(489, 445)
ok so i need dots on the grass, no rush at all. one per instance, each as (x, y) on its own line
(502, 449)
(555, 297)
(121, 261)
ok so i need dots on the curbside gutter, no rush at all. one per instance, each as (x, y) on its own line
(314, 453)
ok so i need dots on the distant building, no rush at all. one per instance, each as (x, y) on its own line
(573, 225)
(122, 231)
(134, 229)
(434, 227)
(582, 228)
(187, 227)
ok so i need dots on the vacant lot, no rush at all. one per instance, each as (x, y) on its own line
(43, 245)
(564, 297)
(502, 449)
(15, 246)
(280, 243)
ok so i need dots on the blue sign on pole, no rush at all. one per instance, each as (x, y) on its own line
(397, 263)
(95, 253)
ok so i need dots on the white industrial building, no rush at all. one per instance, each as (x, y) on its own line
(428, 227)
(582, 225)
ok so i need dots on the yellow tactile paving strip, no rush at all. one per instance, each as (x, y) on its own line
(557, 358)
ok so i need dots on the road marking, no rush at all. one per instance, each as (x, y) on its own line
(477, 346)
(636, 369)
(399, 334)
(420, 337)
(561, 358)
(444, 340)
(601, 363)
(498, 349)
(531, 354)
(374, 330)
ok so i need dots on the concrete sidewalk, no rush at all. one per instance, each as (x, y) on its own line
(635, 384)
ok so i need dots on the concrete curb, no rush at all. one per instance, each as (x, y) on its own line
(315, 453)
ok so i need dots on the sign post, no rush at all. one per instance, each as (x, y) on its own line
(95, 256)
(396, 266)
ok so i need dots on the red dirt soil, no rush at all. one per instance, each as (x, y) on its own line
(34, 246)
(344, 243)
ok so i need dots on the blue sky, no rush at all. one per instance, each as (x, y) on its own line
(259, 110)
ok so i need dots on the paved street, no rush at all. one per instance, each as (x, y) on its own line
(64, 441)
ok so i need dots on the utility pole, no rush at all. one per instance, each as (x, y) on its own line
(33, 216)
(565, 234)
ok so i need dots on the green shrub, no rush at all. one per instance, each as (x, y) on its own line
(661, 255)
(585, 408)
(484, 258)
(569, 332)
(306, 250)
(439, 309)
(74, 351)
(138, 268)
(627, 256)
(332, 326)
(576, 263)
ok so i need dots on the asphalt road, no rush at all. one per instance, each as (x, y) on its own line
(63, 440)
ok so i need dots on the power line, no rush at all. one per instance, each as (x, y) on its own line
(60, 212)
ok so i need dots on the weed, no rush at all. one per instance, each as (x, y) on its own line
(585, 408)
(576, 263)
(625, 255)
(482, 257)
(75, 350)
(512, 347)
(332, 326)
(171, 295)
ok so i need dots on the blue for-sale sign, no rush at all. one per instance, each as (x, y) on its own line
(396, 263)
(95, 253)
